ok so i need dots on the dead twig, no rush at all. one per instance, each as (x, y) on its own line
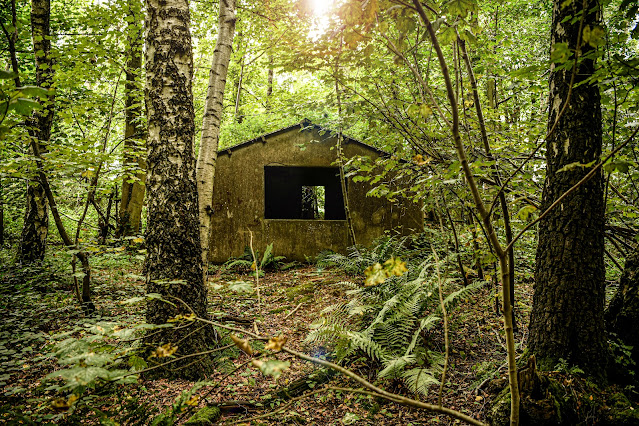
(294, 310)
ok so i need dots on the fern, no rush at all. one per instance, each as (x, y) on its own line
(420, 379)
(386, 322)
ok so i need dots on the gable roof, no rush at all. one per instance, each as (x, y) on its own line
(303, 125)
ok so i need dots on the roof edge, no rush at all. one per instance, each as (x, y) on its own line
(304, 124)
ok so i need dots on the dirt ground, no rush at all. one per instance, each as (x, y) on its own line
(294, 299)
(291, 301)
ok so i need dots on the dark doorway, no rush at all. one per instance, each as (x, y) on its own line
(302, 193)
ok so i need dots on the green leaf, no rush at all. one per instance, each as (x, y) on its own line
(525, 211)
(468, 36)
(80, 376)
(413, 110)
(560, 53)
(137, 363)
(33, 91)
(350, 419)
(24, 106)
(447, 35)
(622, 166)
(594, 36)
(240, 286)
(462, 7)
(7, 75)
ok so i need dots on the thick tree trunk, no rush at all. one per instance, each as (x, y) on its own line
(567, 315)
(133, 183)
(174, 258)
(212, 118)
(36, 218)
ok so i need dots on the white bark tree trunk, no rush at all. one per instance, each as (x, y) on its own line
(212, 118)
(173, 265)
(36, 218)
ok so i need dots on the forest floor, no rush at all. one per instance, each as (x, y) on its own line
(37, 304)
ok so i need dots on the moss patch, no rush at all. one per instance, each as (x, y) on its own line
(205, 416)
(306, 289)
(567, 399)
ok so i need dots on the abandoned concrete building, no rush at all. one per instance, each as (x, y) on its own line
(285, 188)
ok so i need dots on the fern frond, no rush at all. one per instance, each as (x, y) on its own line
(394, 368)
(420, 379)
(370, 347)
(425, 324)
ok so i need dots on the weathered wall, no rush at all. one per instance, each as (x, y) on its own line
(238, 200)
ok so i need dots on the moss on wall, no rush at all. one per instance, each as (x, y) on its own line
(238, 200)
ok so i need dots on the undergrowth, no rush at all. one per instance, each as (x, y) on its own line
(390, 323)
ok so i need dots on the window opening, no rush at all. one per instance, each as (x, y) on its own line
(312, 193)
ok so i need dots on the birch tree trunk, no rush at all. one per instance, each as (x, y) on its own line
(211, 121)
(567, 318)
(173, 265)
(133, 183)
(36, 218)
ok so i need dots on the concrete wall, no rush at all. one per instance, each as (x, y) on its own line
(238, 200)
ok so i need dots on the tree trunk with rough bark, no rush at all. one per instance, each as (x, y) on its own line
(568, 305)
(622, 315)
(35, 228)
(173, 266)
(133, 182)
(212, 118)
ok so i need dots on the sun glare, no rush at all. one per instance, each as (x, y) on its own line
(321, 12)
(321, 7)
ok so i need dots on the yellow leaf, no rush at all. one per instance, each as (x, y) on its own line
(175, 318)
(275, 343)
(63, 404)
(60, 404)
(425, 110)
(163, 351)
(375, 274)
(257, 363)
(243, 344)
(420, 160)
(395, 266)
(138, 240)
(193, 401)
